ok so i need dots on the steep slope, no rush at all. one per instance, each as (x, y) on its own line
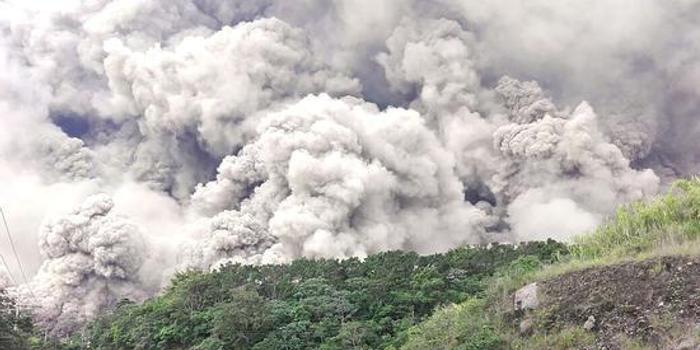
(653, 304)
(634, 283)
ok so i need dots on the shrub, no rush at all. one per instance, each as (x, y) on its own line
(462, 326)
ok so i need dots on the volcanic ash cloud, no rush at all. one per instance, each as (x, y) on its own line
(335, 178)
(92, 260)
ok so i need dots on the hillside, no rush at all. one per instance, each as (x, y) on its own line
(653, 303)
(631, 284)
(309, 304)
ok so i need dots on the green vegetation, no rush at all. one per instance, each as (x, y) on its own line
(312, 304)
(566, 338)
(462, 326)
(645, 227)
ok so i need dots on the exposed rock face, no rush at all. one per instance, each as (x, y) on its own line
(526, 298)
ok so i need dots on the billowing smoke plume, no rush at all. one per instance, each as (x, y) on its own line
(261, 131)
(519, 155)
(93, 258)
(559, 162)
(212, 88)
(432, 62)
(336, 178)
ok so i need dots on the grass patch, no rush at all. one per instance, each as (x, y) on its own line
(667, 225)
(460, 326)
(640, 227)
(565, 339)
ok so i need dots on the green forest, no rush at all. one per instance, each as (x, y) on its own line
(308, 304)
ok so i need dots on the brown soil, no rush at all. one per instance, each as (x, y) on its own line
(655, 302)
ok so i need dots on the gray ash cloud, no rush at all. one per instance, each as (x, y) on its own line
(263, 131)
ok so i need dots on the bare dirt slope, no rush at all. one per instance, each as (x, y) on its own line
(653, 304)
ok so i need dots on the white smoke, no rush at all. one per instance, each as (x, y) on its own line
(533, 148)
(564, 165)
(93, 258)
(261, 131)
(336, 178)
(211, 87)
(164, 100)
(435, 61)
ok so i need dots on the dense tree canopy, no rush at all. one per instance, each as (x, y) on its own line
(308, 304)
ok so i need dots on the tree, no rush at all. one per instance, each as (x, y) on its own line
(15, 328)
(243, 321)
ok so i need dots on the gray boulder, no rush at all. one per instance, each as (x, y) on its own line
(526, 298)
